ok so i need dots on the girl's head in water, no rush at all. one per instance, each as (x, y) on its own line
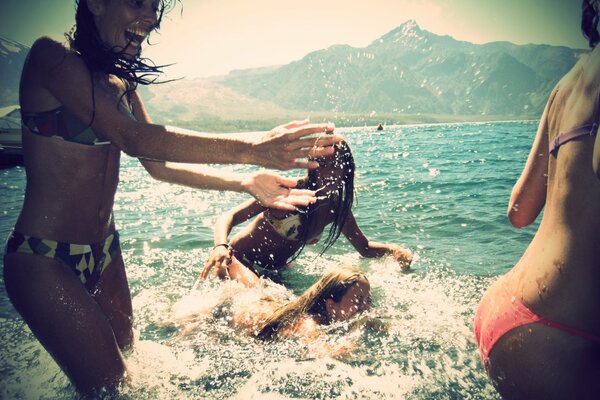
(338, 295)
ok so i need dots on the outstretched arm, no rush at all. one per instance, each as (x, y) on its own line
(528, 196)
(367, 248)
(269, 189)
(220, 256)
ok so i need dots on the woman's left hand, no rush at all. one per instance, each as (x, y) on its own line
(274, 191)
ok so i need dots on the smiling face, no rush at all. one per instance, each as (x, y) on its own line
(357, 299)
(124, 24)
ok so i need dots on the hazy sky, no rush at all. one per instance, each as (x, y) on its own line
(212, 37)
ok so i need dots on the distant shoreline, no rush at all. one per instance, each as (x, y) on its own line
(213, 123)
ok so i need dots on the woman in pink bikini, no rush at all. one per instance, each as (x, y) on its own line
(538, 326)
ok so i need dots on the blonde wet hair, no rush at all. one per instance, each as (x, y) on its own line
(332, 285)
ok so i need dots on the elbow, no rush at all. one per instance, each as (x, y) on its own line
(366, 253)
(365, 250)
(518, 219)
(128, 138)
(130, 147)
(156, 169)
(228, 219)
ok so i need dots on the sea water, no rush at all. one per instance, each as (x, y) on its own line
(441, 190)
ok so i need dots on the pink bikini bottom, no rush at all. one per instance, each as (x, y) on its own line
(510, 313)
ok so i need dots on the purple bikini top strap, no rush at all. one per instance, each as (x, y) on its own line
(591, 129)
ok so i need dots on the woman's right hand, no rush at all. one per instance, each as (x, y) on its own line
(218, 258)
(287, 146)
(403, 256)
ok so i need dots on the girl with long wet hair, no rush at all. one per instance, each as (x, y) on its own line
(339, 295)
(276, 237)
(538, 326)
(63, 267)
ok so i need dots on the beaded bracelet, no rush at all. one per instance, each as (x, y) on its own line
(222, 244)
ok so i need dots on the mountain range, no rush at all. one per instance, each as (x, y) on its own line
(408, 71)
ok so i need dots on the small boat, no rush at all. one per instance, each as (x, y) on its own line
(11, 148)
(379, 127)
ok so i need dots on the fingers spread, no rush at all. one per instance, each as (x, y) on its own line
(299, 200)
(296, 124)
(205, 272)
(312, 165)
(302, 192)
(282, 205)
(328, 140)
(308, 129)
(287, 182)
(321, 151)
(321, 141)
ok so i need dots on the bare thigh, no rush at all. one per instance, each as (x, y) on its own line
(114, 298)
(68, 322)
(535, 361)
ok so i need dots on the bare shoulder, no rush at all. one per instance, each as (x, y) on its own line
(45, 56)
(51, 61)
(46, 53)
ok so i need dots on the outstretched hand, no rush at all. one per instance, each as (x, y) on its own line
(218, 258)
(288, 146)
(274, 191)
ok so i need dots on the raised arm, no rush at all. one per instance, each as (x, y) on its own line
(65, 76)
(367, 248)
(220, 255)
(528, 196)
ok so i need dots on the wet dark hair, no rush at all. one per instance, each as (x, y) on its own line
(85, 39)
(341, 204)
(589, 23)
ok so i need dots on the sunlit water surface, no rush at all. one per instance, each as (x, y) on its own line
(440, 190)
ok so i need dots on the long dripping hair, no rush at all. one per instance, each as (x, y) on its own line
(85, 39)
(332, 285)
(589, 22)
(341, 202)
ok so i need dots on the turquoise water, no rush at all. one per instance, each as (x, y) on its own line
(441, 190)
